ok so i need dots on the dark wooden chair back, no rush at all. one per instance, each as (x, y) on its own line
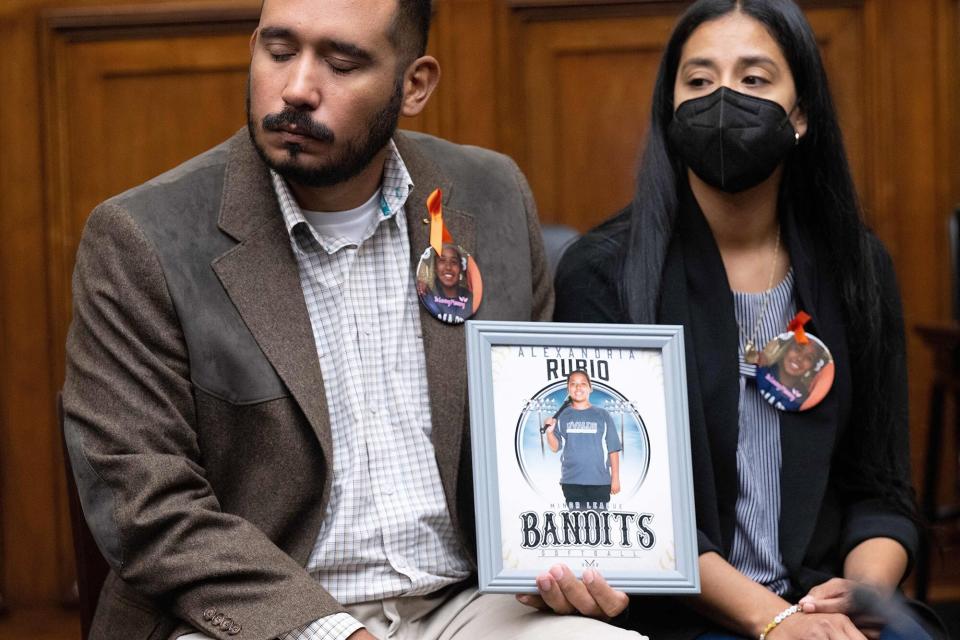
(92, 569)
(556, 239)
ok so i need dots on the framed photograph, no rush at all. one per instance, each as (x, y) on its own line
(581, 454)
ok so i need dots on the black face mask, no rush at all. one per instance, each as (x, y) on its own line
(732, 141)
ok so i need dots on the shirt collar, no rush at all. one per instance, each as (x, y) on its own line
(395, 188)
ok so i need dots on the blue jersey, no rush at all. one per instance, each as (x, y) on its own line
(587, 437)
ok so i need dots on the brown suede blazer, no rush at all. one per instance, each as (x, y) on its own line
(195, 412)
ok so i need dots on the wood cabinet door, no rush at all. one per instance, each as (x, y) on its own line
(582, 82)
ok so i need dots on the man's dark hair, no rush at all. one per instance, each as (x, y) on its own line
(410, 29)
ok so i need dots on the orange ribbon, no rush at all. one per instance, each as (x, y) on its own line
(438, 230)
(796, 325)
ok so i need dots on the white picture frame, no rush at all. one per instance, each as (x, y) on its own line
(644, 540)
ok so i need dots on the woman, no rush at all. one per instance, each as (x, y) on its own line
(745, 214)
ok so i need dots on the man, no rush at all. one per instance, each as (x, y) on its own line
(590, 467)
(268, 434)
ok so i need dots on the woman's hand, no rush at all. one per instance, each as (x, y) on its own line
(561, 592)
(736, 602)
(837, 595)
(877, 565)
(833, 596)
(816, 626)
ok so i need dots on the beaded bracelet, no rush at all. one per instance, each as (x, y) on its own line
(780, 617)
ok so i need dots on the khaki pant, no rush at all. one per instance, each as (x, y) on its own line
(469, 615)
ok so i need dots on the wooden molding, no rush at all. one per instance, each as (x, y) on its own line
(102, 23)
(949, 95)
(546, 10)
(551, 4)
(640, 7)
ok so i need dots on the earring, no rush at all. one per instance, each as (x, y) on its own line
(796, 138)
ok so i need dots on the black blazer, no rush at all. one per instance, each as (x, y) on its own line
(821, 519)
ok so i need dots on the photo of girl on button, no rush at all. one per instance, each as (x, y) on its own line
(794, 376)
(449, 284)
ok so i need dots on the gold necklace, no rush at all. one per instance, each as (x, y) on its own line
(751, 355)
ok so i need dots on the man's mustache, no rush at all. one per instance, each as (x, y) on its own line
(301, 120)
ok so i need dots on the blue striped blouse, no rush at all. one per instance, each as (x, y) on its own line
(756, 541)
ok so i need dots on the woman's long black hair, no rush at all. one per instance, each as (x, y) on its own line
(818, 185)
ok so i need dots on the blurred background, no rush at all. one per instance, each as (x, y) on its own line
(98, 95)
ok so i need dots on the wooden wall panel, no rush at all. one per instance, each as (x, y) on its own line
(122, 111)
(948, 187)
(841, 35)
(126, 98)
(27, 443)
(585, 104)
(464, 40)
(584, 99)
(948, 98)
(905, 208)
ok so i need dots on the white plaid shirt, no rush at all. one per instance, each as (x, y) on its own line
(386, 531)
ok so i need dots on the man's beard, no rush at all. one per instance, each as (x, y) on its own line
(355, 156)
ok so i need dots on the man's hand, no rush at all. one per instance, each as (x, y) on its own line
(361, 634)
(615, 485)
(561, 592)
(837, 596)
